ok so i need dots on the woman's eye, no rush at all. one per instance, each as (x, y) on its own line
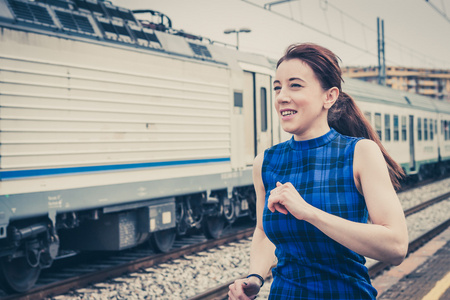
(295, 85)
(277, 88)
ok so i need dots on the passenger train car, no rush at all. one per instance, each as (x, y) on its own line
(117, 130)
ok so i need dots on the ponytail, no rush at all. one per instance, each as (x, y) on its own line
(347, 119)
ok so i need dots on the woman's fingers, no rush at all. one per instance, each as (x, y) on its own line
(281, 196)
(280, 208)
(236, 290)
(276, 196)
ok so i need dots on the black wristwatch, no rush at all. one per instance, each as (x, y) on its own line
(259, 277)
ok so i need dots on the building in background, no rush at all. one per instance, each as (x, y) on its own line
(434, 83)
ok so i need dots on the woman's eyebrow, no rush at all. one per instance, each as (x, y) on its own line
(295, 78)
(290, 79)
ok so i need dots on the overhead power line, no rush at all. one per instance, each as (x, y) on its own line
(392, 43)
(310, 27)
(441, 12)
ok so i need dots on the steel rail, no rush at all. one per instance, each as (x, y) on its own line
(426, 204)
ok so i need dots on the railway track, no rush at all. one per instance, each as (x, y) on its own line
(103, 274)
(220, 292)
(128, 263)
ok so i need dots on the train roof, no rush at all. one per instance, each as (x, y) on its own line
(442, 107)
(371, 92)
(102, 22)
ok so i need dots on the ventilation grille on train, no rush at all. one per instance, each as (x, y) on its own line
(32, 13)
(90, 6)
(74, 22)
(200, 50)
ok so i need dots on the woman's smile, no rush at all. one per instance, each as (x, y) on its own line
(287, 114)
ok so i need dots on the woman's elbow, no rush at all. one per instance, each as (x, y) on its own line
(399, 253)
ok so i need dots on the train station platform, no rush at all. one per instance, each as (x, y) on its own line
(424, 274)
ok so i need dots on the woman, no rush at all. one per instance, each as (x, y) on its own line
(316, 191)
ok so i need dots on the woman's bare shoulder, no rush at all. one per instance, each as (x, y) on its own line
(367, 148)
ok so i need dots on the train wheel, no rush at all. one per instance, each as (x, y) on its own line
(162, 241)
(17, 275)
(228, 210)
(213, 227)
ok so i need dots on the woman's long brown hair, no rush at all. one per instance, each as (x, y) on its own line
(344, 116)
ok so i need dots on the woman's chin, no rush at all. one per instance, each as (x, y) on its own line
(288, 129)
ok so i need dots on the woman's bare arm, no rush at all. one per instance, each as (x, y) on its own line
(262, 252)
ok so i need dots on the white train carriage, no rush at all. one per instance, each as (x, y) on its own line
(113, 133)
(424, 148)
(407, 124)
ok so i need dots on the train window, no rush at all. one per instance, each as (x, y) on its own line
(419, 129)
(387, 127)
(395, 128)
(238, 100)
(425, 129)
(404, 129)
(378, 125)
(435, 126)
(431, 130)
(446, 130)
(263, 109)
(368, 116)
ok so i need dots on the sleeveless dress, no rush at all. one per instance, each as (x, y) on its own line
(310, 264)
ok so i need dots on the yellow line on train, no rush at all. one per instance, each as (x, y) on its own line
(439, 289)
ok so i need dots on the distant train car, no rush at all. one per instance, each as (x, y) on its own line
(116, 131)
(412, 128)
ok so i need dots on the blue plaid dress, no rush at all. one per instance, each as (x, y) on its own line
(310, 264)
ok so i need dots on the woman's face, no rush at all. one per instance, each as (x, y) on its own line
(300, 100)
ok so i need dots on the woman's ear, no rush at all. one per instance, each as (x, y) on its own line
(331, 97)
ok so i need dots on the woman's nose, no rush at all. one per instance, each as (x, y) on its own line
(282, 97)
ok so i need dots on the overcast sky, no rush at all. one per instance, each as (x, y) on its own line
(416, 35)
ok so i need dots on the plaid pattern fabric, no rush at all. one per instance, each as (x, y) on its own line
(310, 264)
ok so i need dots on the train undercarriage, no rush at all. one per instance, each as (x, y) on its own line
(32, 245)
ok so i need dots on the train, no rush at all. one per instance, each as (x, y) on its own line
(118, 130)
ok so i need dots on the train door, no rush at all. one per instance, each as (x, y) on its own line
(257, 114)
(263, 112)
(412, 160)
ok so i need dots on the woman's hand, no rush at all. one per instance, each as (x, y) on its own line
(285, 198)
(244, 289)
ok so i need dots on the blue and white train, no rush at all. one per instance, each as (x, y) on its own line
(117, 130)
